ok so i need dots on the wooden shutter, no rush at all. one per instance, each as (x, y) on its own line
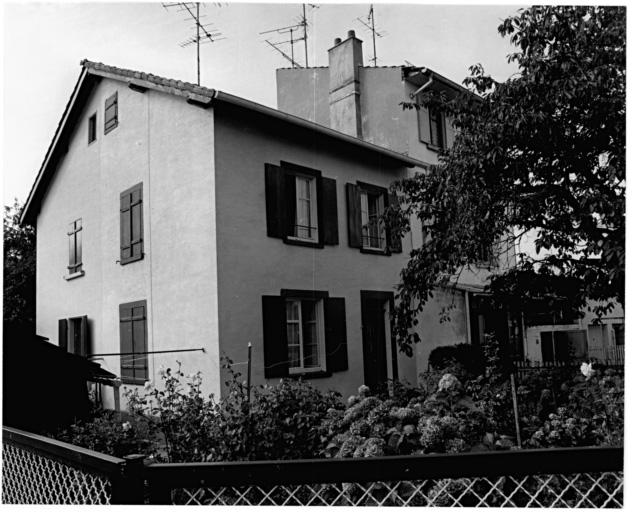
(83, 349)
(330, 212)
(111, 113)
(275, 202)
(72, 237)
(126, 341)
(450, 133)
(424, 125)
(63, 334)
(354, 217)
(140, 362)
(275, 337)
(393, 243)
(131, 225)
(336, 335)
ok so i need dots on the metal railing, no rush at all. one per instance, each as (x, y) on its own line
(608, 355)
(572, 478)
(40, 470)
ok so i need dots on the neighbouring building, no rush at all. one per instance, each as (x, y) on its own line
(180, 223)
(365, 102)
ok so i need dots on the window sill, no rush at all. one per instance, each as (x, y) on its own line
(133, 381)
(317, 374)
(131, 260)
(74, 275)
(380, 252)
(303, 243)
(434, 147)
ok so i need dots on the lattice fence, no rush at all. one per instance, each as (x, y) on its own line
(29, 478)
(603, 490)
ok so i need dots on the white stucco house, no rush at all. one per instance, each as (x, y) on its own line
(177, 223)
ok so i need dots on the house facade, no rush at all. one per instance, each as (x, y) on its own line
(179, 223)
(365, 102)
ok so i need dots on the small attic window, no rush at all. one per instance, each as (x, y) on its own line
(91, 129)
(111, 113)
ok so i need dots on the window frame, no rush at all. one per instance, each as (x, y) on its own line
(123, 219)
(144, 343)
(111, 103)
(75, 250)
(92, 129)
(67, 335)
(437, 118)
(320, 336)
(313, 208)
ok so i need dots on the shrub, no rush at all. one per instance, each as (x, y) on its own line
(470, 357)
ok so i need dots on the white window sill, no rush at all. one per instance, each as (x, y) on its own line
(301, 371)
(74, 276)
(308, 240)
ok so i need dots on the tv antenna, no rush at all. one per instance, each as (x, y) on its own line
(203, 34)
(292, 40)
(377, 34)
(301, 23)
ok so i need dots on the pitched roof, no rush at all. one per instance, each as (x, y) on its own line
(93, 72)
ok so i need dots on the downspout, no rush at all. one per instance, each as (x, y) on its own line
(423, 87)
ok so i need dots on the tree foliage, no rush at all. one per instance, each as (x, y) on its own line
(19, 272)
(541, 154)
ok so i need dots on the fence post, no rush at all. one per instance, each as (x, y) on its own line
(127, 488)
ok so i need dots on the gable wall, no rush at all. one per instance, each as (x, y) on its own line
(167, 145)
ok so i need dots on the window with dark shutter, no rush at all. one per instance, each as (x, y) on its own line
(91, 129)
(74, 335)
(75, 238)
(131, 225)
(365, 205)
(432, 127)
(133, 358)
(304, 334)
(301, 206)
(111, 113)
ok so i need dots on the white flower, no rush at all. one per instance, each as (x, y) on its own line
(587, 370)
(126, 426)
(148, 386)
(364, 390)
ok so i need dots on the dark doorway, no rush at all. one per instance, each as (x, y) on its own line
(374, 318)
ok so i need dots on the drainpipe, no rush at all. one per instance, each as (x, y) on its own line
(423, 87)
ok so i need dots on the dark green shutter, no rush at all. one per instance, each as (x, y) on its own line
(137, 224)
(140, 362)
(131, 225)
(275, 202)
(335, 335)
(394, 243)
(125, 227)
(275, 337)
(330, 212)
(63, 334)
(354, 217)
(424, 125)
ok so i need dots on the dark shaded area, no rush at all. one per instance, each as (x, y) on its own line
(45, 387)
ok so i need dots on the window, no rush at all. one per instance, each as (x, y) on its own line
(74, 335)
(304, 320)
(304, 333)
(432, 128)
(301, 206)
(75, 266)
(131, 225)
(365, 204)
(618, 334)
(371, 207)
(133, 358)
(111, 113)
(91, 129)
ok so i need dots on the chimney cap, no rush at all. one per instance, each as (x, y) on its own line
(351, 33)
(337, 41)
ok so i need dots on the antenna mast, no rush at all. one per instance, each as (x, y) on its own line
(370, 25)
(207, 36)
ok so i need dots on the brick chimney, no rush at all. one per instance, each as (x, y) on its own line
(345, 59)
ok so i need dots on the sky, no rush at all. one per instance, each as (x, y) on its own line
(44, 43)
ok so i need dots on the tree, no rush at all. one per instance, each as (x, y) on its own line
(540, 154)
(19, 274)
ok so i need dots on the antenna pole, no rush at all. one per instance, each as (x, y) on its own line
(305, 34)
(198, 43)
(373, 27)
(292, 47)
